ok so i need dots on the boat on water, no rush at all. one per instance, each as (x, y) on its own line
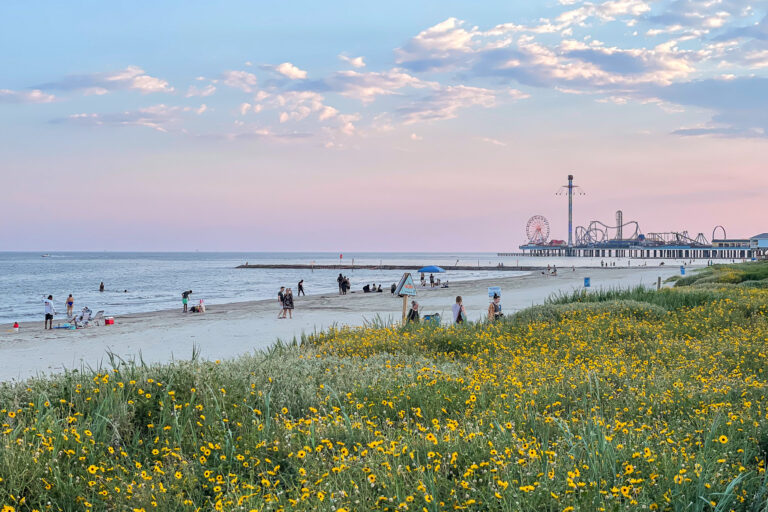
(45, 255)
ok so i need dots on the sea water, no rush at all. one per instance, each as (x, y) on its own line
(143, 282)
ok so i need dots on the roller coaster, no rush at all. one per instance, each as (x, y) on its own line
(677, 238)
(597, 232)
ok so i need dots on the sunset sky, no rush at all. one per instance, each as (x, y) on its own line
(376, 126)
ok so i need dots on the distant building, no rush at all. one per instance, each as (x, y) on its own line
(732, 242)
(759, 246)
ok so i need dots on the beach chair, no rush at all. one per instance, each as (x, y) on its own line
(95, 318)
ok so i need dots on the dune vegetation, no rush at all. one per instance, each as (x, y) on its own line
(612, 400)
(754, 275)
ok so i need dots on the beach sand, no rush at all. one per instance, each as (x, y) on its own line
(228, 330)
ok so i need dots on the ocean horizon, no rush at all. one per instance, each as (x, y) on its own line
(137, 282)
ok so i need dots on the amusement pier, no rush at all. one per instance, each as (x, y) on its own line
(625, 240)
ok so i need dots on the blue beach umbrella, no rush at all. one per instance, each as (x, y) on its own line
(431, 269)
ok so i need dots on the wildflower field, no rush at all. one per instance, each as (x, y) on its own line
(615, 400)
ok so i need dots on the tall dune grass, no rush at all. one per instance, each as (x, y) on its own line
(612, 400)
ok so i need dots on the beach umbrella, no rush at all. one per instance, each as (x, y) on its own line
(432, 269)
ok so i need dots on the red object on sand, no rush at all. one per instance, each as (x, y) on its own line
(15, 325)
(109, 320)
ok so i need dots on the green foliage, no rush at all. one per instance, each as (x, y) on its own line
(613, 399)
(733, 274)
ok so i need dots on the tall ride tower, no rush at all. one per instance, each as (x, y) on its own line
(569, 189)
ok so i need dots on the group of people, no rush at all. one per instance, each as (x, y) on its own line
(432, 281)
(50, 310)
(285, 299)
(344, 284)
(458, 311)
(199, 308)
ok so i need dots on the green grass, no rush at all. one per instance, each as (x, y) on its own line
(608, 400)
(727, 274)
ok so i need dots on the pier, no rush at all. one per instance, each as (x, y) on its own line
(412, 268)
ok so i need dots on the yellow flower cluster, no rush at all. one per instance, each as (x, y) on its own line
(614, 405)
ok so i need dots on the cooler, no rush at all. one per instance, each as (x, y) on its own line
(109, 320)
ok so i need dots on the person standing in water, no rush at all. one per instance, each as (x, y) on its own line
(301, 289)
(459, 312)
(49, 312)
(70, 305)
(340, 280)
(288, 303)
(101, 286)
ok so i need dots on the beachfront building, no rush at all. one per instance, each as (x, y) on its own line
(758, 244)
(731, 242)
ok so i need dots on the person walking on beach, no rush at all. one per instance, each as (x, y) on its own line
(101, 286)
(301, 289)
(70, 305)
(431, 280)
(340, 280)
(49, 312)
(459, 312)
(288, 303)
(413, 313)
(494, 308)
(281, 301)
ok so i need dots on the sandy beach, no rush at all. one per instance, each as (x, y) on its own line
(228, 330)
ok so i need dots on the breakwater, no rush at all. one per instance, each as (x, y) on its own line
(412, 268)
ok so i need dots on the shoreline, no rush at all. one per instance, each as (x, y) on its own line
(232, 329)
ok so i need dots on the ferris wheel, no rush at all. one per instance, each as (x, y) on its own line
(537, 230)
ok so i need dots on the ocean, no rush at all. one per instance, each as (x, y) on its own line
(143, 282)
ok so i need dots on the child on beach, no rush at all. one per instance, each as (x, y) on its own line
(49, 312)
(301, 289)
(70, 305)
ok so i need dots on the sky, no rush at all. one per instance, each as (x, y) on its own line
(376, 126)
